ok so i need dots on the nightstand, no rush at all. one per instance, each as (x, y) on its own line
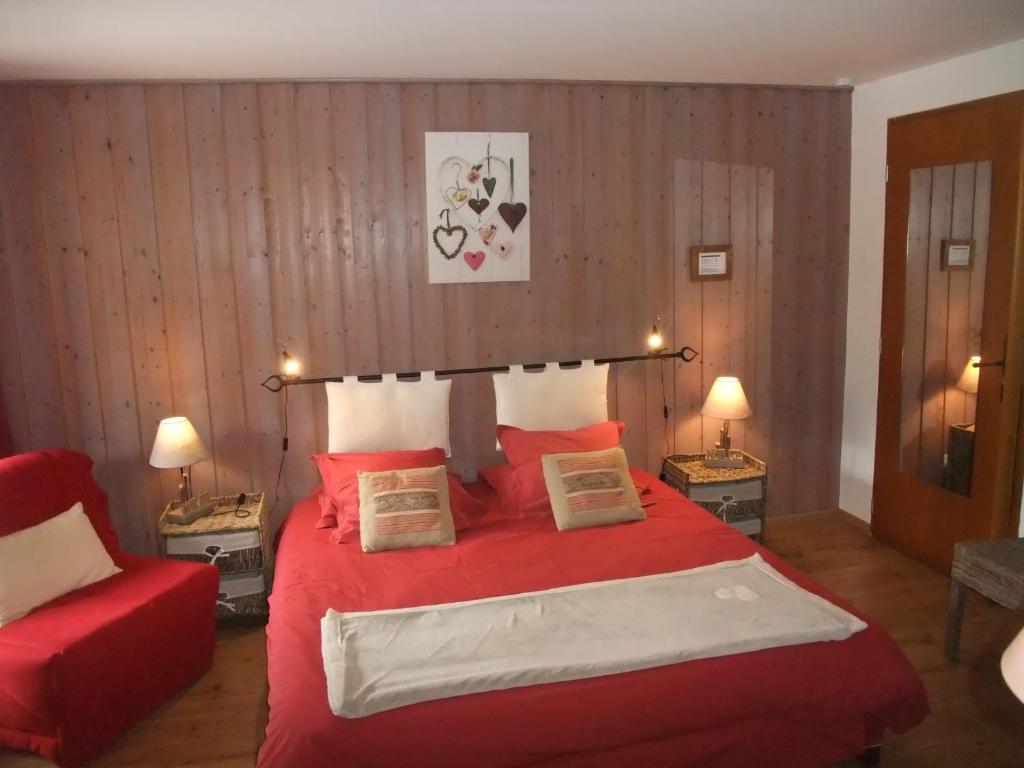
(735, 496)
(238, 546)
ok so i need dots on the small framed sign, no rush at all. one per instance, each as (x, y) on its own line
(957, 254)
(710, 262)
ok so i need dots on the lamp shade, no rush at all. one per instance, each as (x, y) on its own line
(726, 400)
(177, 444)
(1012, 666)
(968, 381)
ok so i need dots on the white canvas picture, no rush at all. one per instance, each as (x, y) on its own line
(478, 207)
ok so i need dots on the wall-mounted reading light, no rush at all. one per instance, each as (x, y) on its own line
(290, 366)
(655, 342)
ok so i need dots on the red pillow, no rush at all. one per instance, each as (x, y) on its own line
(341, 486)
(521, 487)
(521, 446)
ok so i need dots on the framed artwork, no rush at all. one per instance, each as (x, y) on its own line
(710, 262)
(478, 207)
(957, 254)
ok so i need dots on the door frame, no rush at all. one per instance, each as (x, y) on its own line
(991, 128)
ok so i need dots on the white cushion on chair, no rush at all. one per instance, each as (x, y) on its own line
(555, 398)
(389, 415)
(44, 562)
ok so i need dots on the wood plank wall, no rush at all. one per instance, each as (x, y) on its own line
(943, 309)
(730, 320)
(156, 239)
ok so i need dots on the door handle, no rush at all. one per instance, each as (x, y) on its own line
(992, 364)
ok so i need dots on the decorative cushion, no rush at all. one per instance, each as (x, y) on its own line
(389, 415)
(591, 488)
(523, 490)
(43, 562)
(404, 508)
(523, 446)
(555, 398)
(340, 495)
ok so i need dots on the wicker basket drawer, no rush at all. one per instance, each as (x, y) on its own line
(230, 551)
(242, 594)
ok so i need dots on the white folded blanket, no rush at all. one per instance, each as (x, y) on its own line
(379, 660)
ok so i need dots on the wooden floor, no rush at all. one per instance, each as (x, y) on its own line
(975, 721)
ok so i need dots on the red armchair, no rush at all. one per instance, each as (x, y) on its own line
(77, 672)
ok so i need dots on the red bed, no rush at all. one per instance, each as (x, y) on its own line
(805, 705)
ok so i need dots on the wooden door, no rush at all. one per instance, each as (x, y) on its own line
(945, 456)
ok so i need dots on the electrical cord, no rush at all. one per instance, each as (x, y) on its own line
(284, 453)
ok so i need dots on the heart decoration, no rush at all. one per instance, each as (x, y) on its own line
(475, 260)
(512, 213)
(469, 192)
(736, 592)
(506, 249)
(454, 237)
(487, 233)
(457, 196)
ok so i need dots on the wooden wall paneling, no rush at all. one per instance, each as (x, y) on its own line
(136, 230)
(743, 286)
(287, 272)
(37, 341)
(915, 302)
(316, 190)
(655, 177)
(387, 225)
(62, 242)
(715, 294)
(426, 301)
(533, 115)
(251, 270)
(626, 335)
(319, 243)
(173, 215)
(452, 113)
(982, 204)
(216, 284)
(934, 375)
(759, 428)
(688, 323)
(500, 308)
(14, 401)
(957, 336)
(117, 353)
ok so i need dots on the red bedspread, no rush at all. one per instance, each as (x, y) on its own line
(804, 705)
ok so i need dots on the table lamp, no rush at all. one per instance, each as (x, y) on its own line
(178, 445)
(968, 381)
(725, 401)
(1012, 666)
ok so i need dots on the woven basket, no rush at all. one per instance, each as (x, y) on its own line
(231, 543)
(686, 473)
(242, 595)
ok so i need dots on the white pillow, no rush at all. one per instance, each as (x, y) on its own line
(555, 398)
(389, 415)
(41, 563)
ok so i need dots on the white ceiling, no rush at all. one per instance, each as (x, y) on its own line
(807, 42)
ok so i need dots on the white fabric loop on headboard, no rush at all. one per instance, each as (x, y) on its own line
(555, 398)
(390, 415)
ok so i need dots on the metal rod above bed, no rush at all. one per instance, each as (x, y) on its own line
(275, 382)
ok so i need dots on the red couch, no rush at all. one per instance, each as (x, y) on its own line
(80, 670)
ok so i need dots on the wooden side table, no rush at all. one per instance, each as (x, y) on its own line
(735, 496)
(995, 568)
(237, 545)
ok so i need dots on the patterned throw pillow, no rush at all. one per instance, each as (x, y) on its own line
(404, 508)
(591, 488)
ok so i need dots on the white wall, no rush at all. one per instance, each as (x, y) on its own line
(975, 76)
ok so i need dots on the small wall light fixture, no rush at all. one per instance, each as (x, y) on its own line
(655, 341)
(290, 366)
